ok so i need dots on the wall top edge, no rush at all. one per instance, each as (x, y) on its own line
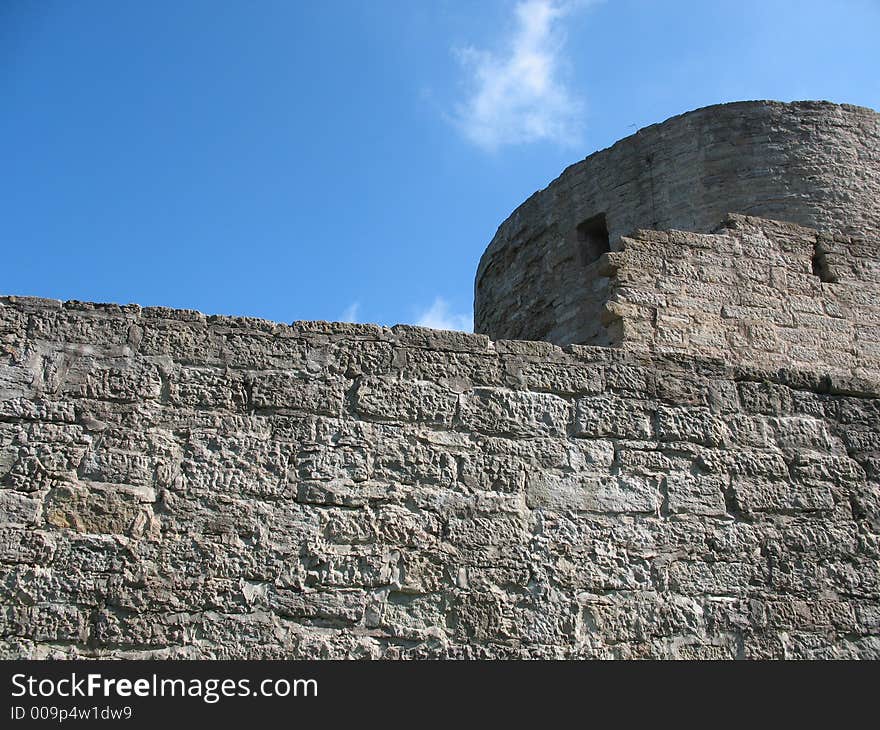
(412, 338)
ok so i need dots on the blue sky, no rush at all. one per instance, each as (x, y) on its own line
(350, 160)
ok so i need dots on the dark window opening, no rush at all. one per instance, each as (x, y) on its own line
(821, 267)
(592, 236)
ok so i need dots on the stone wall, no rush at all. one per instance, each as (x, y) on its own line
(180, 486)
(756, 292)
(812, 163)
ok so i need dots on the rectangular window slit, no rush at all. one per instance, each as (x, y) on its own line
(821, 267)
(592, 236)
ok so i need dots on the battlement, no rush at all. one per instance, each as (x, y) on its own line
(814, 164)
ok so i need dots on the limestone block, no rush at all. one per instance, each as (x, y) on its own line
(696, 494)
(609, 415)
(511, 413)
(392, 399)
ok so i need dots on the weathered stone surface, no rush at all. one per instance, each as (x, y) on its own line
(174, 485)
(761, 308)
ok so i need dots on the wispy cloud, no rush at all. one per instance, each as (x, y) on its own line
(439, 317)
(351, 313)
(518, 95)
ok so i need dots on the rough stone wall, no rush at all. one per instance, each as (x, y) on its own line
(756, 292)
(812, 163)
(182, 486)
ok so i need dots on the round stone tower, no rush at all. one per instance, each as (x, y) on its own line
(812, 163)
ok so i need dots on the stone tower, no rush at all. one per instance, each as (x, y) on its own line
(606, 253)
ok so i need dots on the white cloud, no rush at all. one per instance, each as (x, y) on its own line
(351, 313)
(517, 95)
(438, 317)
